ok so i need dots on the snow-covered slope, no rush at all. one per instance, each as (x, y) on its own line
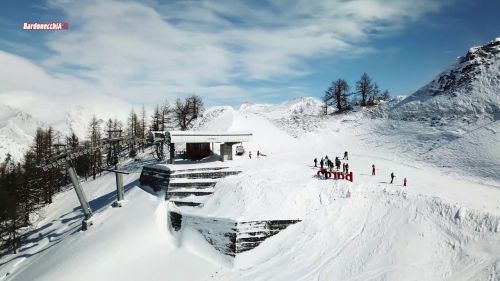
(17, 130)
(452, 122)
(128, 243)
(298, 106)
(440, 227)
(220, 114)
(445, 225)
(296, 116)
(467, 91)
(76, 120)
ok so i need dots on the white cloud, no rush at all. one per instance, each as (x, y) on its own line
(118, 54)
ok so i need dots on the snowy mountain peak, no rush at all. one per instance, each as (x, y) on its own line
(469, 88)
(76, 121)
(17, 129)
(479, 61)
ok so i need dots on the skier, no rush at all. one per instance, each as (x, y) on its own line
(250, 154)
(392, 177)
(315, 162)
(330, 165)
(258, 153)
(373, 169)
(346, 168)
(321, 163)
(326, 159)
(404, 182)
(337, 163)
(343, 167)
(345, 156)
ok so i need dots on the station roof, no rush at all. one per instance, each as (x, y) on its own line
(206, 136)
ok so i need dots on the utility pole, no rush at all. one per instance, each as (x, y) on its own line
(120, 194)
(65, 157)
(87, 211)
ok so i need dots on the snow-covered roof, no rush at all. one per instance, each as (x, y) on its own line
(205, 136)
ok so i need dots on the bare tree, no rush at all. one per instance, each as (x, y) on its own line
(143, 122)
(165, 114)
(186, 112)
(181, 114)
(374, 95)
(328, 98)
(109, 125)
(156, 119)
(363, 88)
(95, 130)
(195, 107)
(341, 94)
(95, 159)
(385, 95)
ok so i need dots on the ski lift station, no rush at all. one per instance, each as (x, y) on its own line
(200, 144)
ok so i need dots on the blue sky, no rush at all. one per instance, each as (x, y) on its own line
(127, 53)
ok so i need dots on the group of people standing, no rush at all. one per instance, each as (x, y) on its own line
(345, 166)
(333, 164)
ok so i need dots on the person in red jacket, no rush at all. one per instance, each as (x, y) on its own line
(373, 169)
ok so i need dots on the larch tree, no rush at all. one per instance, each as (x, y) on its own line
(364, 87)
(341, 94)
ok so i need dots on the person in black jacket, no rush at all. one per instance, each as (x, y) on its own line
(337, 163)
(330, 165)
(315, 162)
(392, 177)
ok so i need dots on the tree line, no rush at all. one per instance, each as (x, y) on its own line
(181, 115)
(25, 187)
(366, 93)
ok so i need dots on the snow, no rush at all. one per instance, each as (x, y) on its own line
(17, 130)
(215, 113)
(445, 225)
(76, 121)
(467, 89)
(143, 241)
(440, 227)
(296, 117)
